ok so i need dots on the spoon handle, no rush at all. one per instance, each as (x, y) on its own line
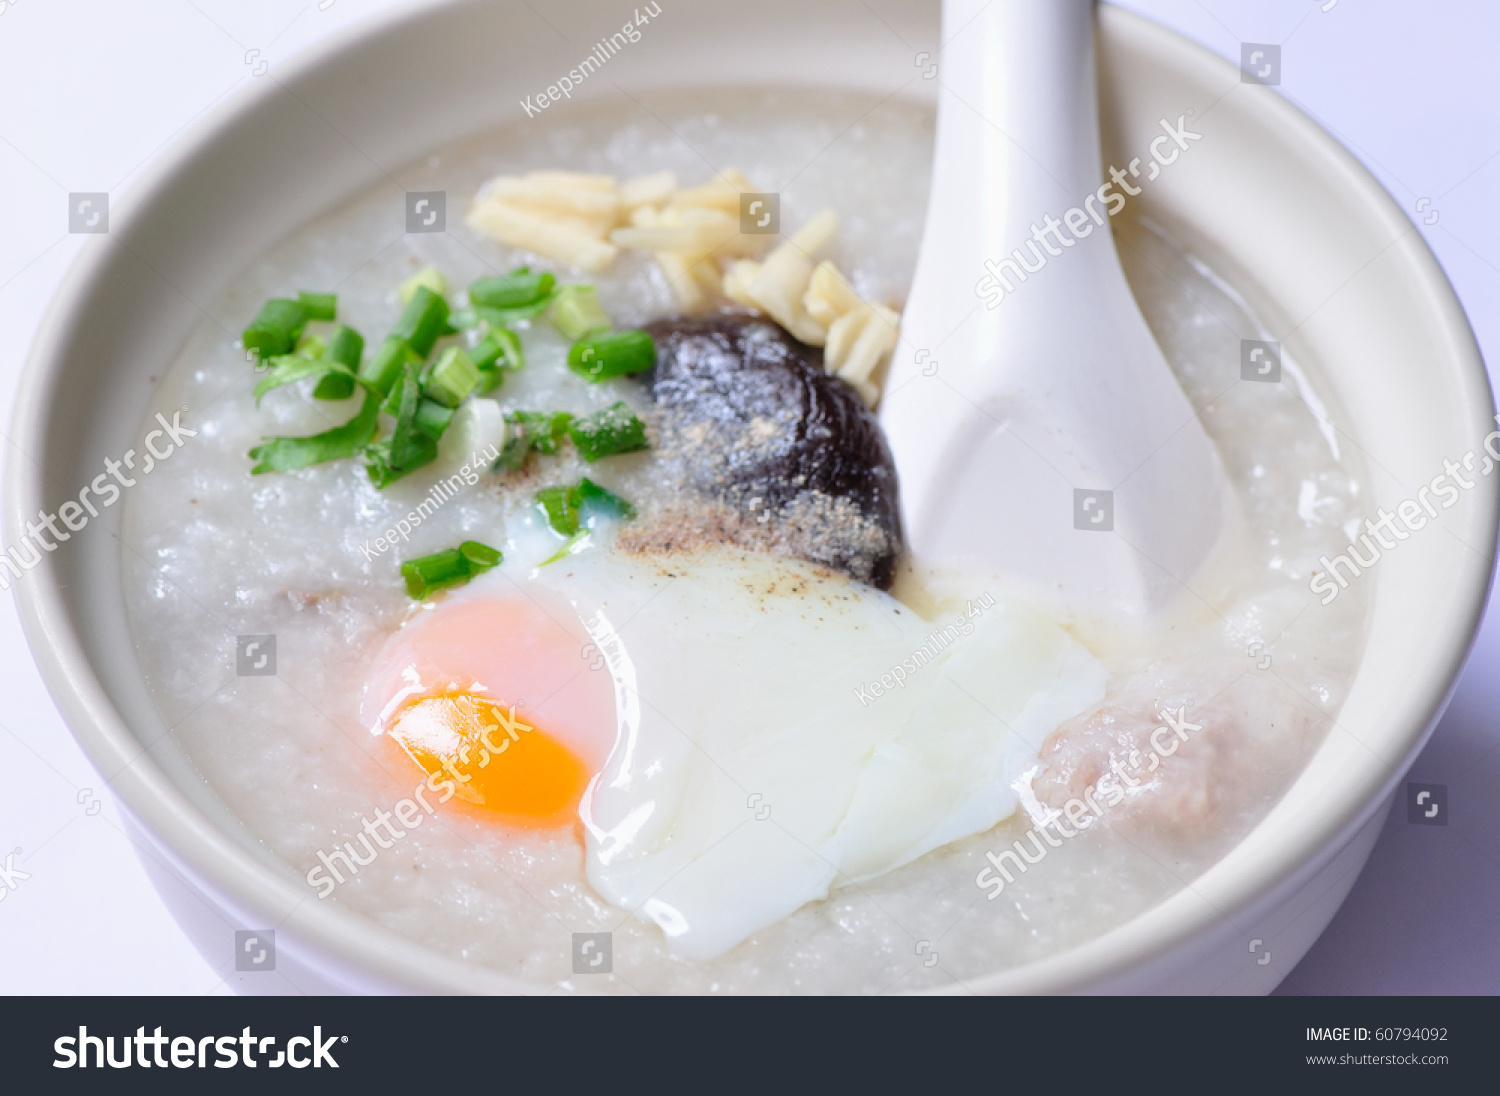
(1017, 146)
(1019, 107)
(1026, 376)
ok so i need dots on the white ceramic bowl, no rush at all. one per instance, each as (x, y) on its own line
(1331, 263)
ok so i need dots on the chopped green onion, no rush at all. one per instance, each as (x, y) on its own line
(392, 404)
(423, 322)
(333, 363)
(528, 430)
(479, 316)
(383, 370)
(378, 464)
(481, 557)
(286, 454)
(275, 329)
(514, 290)
(560, 505)
(570, 509)
(289, 368)
(513, 453)
(546, 430)
(454, 567)
(410, 445)
(432, 418)
(453, 378)
(310, 346)
(334, 385)
(605, 433)
(599, 501)
(346, 347)
(430, 277)
(576, 312)
(319, 306)
(498, 301)
(500, 343)
(428, 574)
(605, 356)
(498, 352)
(573, 544)
(510, 348)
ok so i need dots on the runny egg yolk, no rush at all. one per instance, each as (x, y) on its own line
(496, 759)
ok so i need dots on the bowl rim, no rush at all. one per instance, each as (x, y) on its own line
(347, 937)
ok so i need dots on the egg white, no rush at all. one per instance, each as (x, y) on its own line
(754, 768)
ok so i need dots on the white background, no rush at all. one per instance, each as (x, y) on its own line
(93, 90)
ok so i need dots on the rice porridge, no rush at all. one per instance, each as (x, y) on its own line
(761, 748)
